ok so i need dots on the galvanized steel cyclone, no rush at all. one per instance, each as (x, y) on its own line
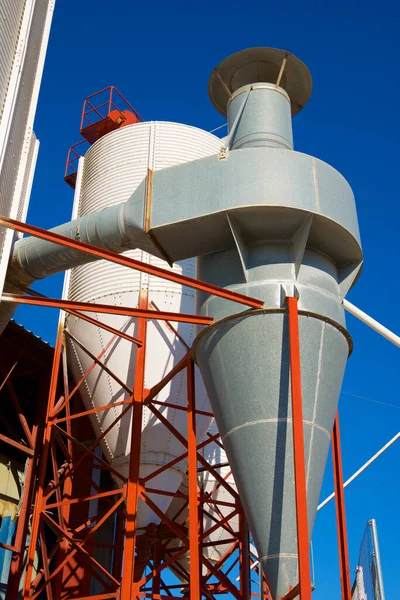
(261, 64)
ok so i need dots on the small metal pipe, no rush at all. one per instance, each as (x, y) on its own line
(375, 325)
(374, 532)
(361, 469)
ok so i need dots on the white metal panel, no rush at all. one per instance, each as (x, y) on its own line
(25, 179)
(11, 12)
(19, 110)
(113, 168)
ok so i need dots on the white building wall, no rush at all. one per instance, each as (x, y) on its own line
(24, 33)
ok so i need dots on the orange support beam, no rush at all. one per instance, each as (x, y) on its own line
(129, 589)
(340, 512)
(298, 450)
(193, 487)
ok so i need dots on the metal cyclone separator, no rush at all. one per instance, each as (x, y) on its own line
(287, 251)
(268, 222)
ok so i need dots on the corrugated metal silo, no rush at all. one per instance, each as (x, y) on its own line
(113, 168)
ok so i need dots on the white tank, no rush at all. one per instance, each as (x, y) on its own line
(215, 456)
(112, 169)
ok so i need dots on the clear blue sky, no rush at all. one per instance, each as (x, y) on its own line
(160, 54)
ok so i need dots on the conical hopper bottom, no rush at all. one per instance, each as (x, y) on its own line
(244, 361)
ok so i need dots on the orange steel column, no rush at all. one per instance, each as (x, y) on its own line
(298, 451)
(23, 522)
(129, 590)
(119, 545)
(244, 561)
(194, 540)
(39, 500)
(340, 512)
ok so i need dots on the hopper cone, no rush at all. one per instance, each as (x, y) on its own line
(245, 365)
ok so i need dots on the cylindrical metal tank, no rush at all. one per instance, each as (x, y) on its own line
(209, 487)
(113, 168)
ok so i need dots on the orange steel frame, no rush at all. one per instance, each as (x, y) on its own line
(131, 553)
(75, 152)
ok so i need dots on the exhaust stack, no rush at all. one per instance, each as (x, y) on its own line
(244, 357)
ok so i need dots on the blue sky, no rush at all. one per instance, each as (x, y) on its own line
(160, 55)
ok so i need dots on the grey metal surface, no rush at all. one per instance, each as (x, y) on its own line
(260, 65)
(245, 366)
(264, 119)
(107, 228)
(256, 186)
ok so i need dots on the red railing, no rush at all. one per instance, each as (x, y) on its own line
(99, 105)
(74, 154)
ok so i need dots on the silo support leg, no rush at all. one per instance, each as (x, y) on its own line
(340, 512)
(194, 539)
(298, 451)
(244, 557)
(129, 589)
